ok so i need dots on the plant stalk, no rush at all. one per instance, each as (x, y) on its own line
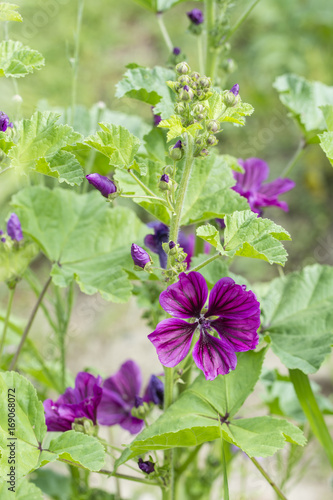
(75, 62)
(164, 31)
(211, 51)
(301, 146)
(268, 479)
(5, 326)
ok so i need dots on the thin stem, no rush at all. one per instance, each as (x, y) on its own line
(241, 19)
(225, 470)
(164, 31)
(268, 479)
(200, 54)
(312, 411)
(75, 63)
(211, 51)
(146, 197)
(208, 261)
(301, 146)
(29, 278)
(5, 326)
(27, 328)
(144, 187)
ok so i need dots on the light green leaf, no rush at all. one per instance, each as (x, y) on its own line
(82, 237)
(39, 147)
(56, 486)
(149, 85)
(14, 261)
(5, 142)
(29, 429)
(303, 99)
(247, 235)
(80, 449)
(8, 12)
(17, 61)
(298, 316)
(115, 142)
(326, 144)
(234, 114)
(211, 234)
(328, 115)
(176, 128)
(155, 145)
(23, 490)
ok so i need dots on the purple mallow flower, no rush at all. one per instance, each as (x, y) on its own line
(121, 393)
(80, 402)
(4, 122)
(235, 89)
(14, 229)
(196, 16)
(140, 256)
(102, 183)
(259, 195)
(233, 313)
(147, 467)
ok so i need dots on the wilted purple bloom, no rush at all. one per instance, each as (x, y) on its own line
(176, 51)
(196, 16)
(14, 229)
(140, 256)
(250, 185)
(165, 178)
(102, 183)
(4, 122)
(233, 313)
(154, 391)
(147, 467)
(80, 402)
(235, 89)
(178, 144)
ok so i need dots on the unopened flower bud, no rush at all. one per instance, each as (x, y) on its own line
(184, 80)
(180, 108)
(148, 467)
(235, 89)
(14, 229)
(231, 97)
(176, 51)
(183, 68)
(140, 257)
(172, 248)
(176, 152)
(164, 182)
(204, 152)
(104, 185)
(205, 82)
(211, 140)
(195, 75)
(186, 94)
(196, 16)
(198, 108)
(213, 126)
(4, 121)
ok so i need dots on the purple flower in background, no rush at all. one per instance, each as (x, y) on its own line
(4, 122)
(176, 51)
(235, 89)
(196, 16)
(14, 229)
(147, 467)
(102, 183)
(140, 256)
(157, 118)
(233, 313)
(80, 402)
(259, 195)
(155, 391)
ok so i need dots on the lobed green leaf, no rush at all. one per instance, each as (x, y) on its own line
(17, 61)
(8, 12)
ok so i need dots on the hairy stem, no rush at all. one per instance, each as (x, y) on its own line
(268, 479)
(5, 326)
(27, 328)
(164, 31)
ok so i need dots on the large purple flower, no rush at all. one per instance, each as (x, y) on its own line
(121, 393)
(80, 402)
(233, 313)
(259, 195)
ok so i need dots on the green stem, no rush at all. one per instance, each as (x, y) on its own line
(211, 51)
(144, 187)
(164, 31)
(312, 412)
(146, 197)
(76, 56)
(182, 468)
(225, 472)
(27, 328)
(200, 54)
(301, 146)
(34, 285)
(268, 479)
(5, 326)
(208, 261)
(242, 19)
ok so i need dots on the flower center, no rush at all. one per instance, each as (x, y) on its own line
(204, 323)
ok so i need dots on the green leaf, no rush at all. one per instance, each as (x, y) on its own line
(57, 486)
(247, 235)
(211, 234)
(14, 261)
(29, 429)
(326, 144)
(23, 490)
(176, 128)
(5, 142)
(234, 114)
(298, 316)
(149, 85)
(328, 115)
(79, 448)
(303, 99)
(17, 61)
(82, 237)
(8, 12)
(39, 148)
(155, 145)
(115, 142)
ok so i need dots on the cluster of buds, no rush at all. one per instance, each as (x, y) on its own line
(177, 261)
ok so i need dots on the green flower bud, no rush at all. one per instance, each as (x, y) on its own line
(211, 140)
(195, 75)
(230, 99)
(213, 126)
(205, 82)
(176, 152)
(200, 117)
(198, 108)
(185, 80)
(186, 94)
(183, 68)
(180, 108)
(204, 152)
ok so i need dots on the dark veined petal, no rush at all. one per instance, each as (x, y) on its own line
(241, 334)
(126, 382)
(255, 173)
(187, 297)
(172, 340)
(85, 385)
(229, 300)
(213, 356)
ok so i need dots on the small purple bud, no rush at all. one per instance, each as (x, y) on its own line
(147, 467)
(178, 145)
(165, 178)
(138, 401)
(140, 256)
(176, 51)
(172, 245)
(157, 118)
(102, 183)
(4, 121)
(235, 89)
(196, 16)
(155, 389)
(11, 125)
(3, 240)
(186, 87)
(14, 229)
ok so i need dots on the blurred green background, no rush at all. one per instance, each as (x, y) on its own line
(278, 37)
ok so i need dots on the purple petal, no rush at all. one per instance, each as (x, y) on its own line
(172, 340)
(154, 392)
(213, 356)
(256, 172)
(140, 256)
(187, 297)
(85, 385)
(126, 382)
(14, 229)
(132, 424)
(112, 409)
(241, 334)
(55, 421)
(279, 186)
(229, 300)
(104, 185)
(147, 467)
(235, 89)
